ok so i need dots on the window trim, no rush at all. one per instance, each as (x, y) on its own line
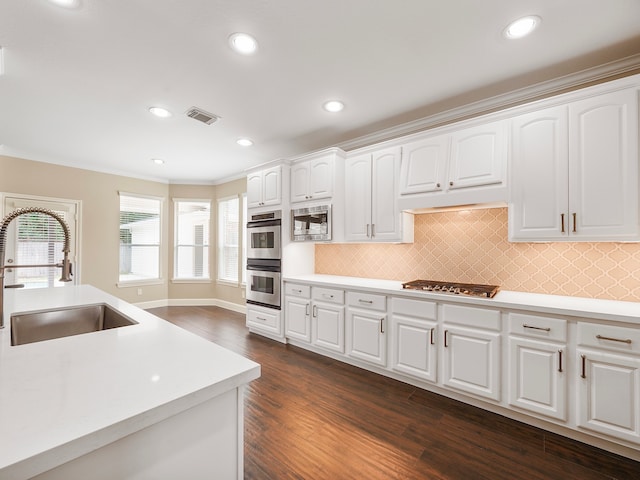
(174, 246)
(151, 281)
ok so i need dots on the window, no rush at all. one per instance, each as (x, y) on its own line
(228, 239)
(139, 238)
(191, 226)
(243, 267)
(38, 239)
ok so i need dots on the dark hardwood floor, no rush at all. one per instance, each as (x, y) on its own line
(311, 417)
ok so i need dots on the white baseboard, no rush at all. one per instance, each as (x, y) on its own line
(193, 302)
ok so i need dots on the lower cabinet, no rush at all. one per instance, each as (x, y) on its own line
(471, 355)
(413, 332)
(264, 320)
(367, 324)
(328, 326)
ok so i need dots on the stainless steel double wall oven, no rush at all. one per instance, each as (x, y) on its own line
(264, 258)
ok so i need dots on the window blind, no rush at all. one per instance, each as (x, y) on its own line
(139, 238)
(228, 239)
(191, 227)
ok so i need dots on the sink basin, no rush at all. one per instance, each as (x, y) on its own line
(64, 322)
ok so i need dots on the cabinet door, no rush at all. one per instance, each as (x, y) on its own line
(328, 327)
(300, 182)
(385, 215)
(321, 178)
(254, 189)
(272, 186)
(367, 340)
(609, 394)
(358, 198)
(537, 381)
(423, 165)
(603, 166)
(297, 319)
(539, 176)
(477, 156)
(472, 361)
(413, 347)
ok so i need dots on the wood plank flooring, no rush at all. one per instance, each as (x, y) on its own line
(310, 417)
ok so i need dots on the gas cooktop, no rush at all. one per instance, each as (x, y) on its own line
(473, 289)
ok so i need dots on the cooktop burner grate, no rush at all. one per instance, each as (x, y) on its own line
(473, 289)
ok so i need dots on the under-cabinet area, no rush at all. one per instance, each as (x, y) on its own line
(549, 361)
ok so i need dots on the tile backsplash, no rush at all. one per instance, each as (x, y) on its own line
(471, 247)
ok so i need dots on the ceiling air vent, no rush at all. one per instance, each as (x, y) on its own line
(202, 116)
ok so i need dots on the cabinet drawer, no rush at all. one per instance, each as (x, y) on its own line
(472, 317)
(611, 337)
(538, 327)
(414, 308)
(328, 295)
(297, 290)
(260, 318)
(367, 300)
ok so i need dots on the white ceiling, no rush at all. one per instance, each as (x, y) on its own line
(78, 82)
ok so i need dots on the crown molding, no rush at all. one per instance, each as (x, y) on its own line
(599, 74)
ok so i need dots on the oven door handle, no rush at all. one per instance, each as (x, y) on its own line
(264, 223)
(263, 268)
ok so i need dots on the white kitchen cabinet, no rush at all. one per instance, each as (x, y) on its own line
(478, 156)
(471, 350)
(312, 179)
(264, 320)
(371, 208)
(575, 171)
(297, 318)
(328, 325)
(264, 187)
(413, 333)
(609, 394)
(537, 364)
(424, 165)
(367, 325)
(608, 363)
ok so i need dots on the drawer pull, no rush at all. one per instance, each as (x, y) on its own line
(560, 361)
(445, 338)
(626, 340)
(584, 366)
(296, 290)
(306, 310)
(261, 319)
(382, 325)
(431, 339)
(315, 311)
(326, 295)
(546, 329)
(368, 302)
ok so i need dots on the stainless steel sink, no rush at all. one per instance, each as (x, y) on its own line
(46, 325)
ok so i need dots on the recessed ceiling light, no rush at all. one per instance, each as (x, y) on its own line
(160, 112)
(157, 161)
(244, 142)
(333, 106)
(66, 3)
(522, 27)
(243, 43)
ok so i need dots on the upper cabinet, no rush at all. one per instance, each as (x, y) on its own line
(574, 171)
(313, 177)
(371, 193)
(462, 167)
(264, 187)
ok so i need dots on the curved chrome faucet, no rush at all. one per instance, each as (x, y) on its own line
(65, 265)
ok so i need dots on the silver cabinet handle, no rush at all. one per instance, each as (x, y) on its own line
(368, 231)
(296, 290)
(626, 340)
(562, 223)
(306, 309)
(326, 295)
(574, 222)
(560, 361)
(431, 338)
(315, 311)
(369, 302)
(445, 338)
(261, 319)
(584, 366)
(547, 329)
(373, 230)
(382, 325)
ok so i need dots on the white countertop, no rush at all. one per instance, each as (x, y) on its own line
(62, 398)
(610, 310)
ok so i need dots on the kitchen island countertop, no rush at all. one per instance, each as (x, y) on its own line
(611, 310)
(63, 398)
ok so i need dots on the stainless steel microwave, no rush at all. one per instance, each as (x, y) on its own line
(311, 224)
